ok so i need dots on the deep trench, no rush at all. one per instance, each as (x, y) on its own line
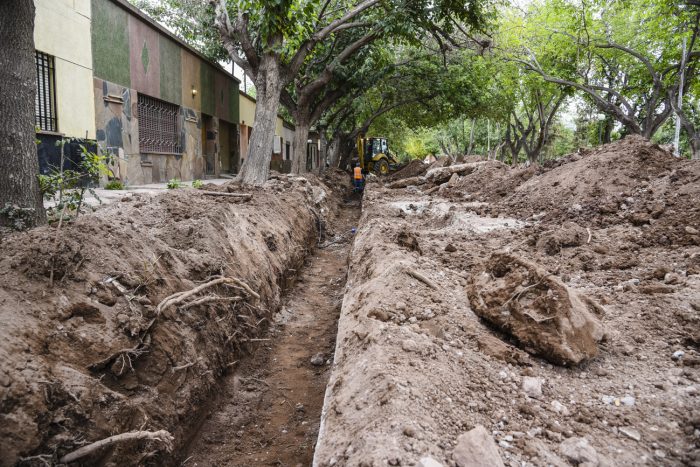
(268, 411)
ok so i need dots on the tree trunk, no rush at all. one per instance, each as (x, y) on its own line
(19, 164)
(694, 141)
(323, 152)
(346, 147)
(301, 137)
(608, 125)
(471, 138)
(268, 85)
(334, 151)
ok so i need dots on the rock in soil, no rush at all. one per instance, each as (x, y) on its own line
(532, 386)
(476, 448)
(523, 300)
(579, 451)
(318, 360)
(428, 462)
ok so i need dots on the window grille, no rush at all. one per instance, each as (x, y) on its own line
(45, 99)
(159, 130)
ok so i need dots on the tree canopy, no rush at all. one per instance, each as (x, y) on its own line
(519, 82)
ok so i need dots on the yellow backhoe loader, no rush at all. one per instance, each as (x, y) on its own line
(374, 156)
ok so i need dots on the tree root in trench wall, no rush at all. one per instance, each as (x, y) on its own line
(168, 291)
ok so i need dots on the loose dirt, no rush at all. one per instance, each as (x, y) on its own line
(541, 315)
(269, 409)
(94, 355)
(612, 233)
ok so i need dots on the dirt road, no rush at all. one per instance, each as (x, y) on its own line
(269, 409)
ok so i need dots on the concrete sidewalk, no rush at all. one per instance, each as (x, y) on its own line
(153, 189)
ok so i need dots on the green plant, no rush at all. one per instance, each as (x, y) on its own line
(197, 184)
(174, 183)
(114, 185)
(67, 188)
(20, 217)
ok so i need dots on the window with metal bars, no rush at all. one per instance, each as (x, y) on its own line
(159, 130)
(45, 101)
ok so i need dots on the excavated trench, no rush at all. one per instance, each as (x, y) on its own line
(268, 410)
(95, 355)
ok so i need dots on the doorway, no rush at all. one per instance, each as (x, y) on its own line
(209, 146)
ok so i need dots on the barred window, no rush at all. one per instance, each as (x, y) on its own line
(45, 99)
(159, 130)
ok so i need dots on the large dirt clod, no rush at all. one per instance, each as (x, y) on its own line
(443, 174)
(545, 316)
(569, 234)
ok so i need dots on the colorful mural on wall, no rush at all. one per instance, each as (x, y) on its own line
(131, 56)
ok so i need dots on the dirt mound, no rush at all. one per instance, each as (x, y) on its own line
(413, 169)
(415, 368)
(94, 355)
(546, 317)
(631, 181)
(473, 158)
(491, 182)
(442, 161)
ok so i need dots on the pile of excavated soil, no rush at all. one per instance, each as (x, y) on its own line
(412, 169)
(93, 355)
(439, 336)
(630, 181)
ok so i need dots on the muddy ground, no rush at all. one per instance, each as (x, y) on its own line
(585, 349)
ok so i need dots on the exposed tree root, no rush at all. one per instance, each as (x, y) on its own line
(126, 356)
(180, 297)
(162, 436)
(185, 366)
(177, 299)
(241, 196)
(209, 299)
(417, 275)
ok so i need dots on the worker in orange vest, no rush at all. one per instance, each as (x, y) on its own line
(358, 178)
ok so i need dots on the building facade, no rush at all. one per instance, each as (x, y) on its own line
(115, 80)
(64, 104)
(162, 111)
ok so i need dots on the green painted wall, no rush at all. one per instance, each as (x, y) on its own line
(110, 43)
(170, 71)
(208, 88)
(233, 103)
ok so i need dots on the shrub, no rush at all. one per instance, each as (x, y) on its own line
(66, 188)
(197, 184)
(114, 185)
(174, 183)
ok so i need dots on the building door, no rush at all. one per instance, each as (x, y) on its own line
(235, 150)
(225, 146)
(209, 146)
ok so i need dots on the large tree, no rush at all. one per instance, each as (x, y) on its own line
(272, 43)
(589, 47)
(19, 165)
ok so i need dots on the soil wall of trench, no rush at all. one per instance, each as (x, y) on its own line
(93, 356)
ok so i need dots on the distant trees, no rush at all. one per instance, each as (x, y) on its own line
(627, 60)
(20, 198)
(274, 42)
(620, 66)
(610, 69)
